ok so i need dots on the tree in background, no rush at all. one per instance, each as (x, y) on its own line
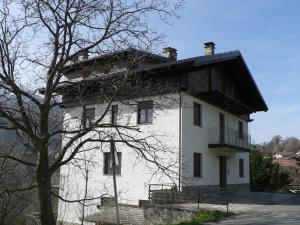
(13, 175)
(291, 144)
(278, 144)
(265, 175)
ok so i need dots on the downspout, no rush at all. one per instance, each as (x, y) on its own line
(180, 141)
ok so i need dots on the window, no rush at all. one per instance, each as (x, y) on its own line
(114, 114)
(108, 163)
(197, 164)
(88, 116)
(145, 112)
(241, 167)
(241, 133)
(197, 114)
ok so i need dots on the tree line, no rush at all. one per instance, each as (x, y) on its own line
(279, 144)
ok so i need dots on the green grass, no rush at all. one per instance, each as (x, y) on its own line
(206, 216)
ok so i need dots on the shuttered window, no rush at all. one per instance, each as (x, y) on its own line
(197, 164)
(145, 112)
(88, 117)
(197, 114)
(114, 114)
(108, 164)
(241, 167)
(241, 130)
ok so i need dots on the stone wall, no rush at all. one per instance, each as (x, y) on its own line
(161, 215)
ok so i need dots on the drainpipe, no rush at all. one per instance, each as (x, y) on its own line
(180, 141)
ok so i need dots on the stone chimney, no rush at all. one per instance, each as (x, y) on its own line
(82, 56)
(170, 53)
(209, 48)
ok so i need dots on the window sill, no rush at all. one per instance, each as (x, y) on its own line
(110, 175)
(145, 123)
(198, 125)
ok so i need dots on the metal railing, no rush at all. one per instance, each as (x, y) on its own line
(228, 136)
(294, 188)
(168, 195)
(159, 187)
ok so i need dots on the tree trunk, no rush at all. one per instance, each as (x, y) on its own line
(43, 177)
(45, 200)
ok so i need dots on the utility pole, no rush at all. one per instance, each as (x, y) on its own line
(113, 157)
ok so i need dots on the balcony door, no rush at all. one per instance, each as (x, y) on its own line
(223, 171)
(221, 128)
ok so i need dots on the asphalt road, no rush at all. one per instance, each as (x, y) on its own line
(265, 209)
(265, 215)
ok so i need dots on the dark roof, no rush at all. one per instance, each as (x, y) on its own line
(199, 60)
(232, 56)
(234, 59)
(121, 53)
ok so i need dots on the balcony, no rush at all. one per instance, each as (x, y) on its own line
(228, 138)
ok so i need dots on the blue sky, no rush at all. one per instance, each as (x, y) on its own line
(267, 32)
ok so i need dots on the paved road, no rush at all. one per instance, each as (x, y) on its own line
(261, 209)
(265, 215)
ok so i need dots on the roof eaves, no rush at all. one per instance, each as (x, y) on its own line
(253, 81)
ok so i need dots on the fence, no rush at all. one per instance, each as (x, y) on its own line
(294, 188)
(168, 194)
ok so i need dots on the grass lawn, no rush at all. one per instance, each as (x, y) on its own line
(206, 216)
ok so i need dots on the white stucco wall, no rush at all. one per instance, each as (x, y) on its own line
(136, 173)
(195, 139)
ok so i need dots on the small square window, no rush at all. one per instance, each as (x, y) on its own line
(145, 112)
(197, 114)
(108, 163)
(88, 117)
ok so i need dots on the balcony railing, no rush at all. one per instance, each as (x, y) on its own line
(228, 137)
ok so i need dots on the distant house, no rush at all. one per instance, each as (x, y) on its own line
(290, 163)
(284, 155)
(206, 128)
(287, 159)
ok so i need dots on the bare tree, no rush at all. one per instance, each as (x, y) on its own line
(278, 144)
(13, 204)
(38, 40)
(291, 144)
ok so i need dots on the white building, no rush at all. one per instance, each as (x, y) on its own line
(193, 117)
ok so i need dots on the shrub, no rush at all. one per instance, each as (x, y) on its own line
(266, 175)
(206, 216)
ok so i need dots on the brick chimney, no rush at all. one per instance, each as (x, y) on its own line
(209, 48)
(170, 53)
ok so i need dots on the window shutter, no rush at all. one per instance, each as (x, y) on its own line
(197, 114)
(241, 130)
(197, 164)
(114, 114)
(145, 112)
(241, 167)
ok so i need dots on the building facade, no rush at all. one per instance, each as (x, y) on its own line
(184, 122)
